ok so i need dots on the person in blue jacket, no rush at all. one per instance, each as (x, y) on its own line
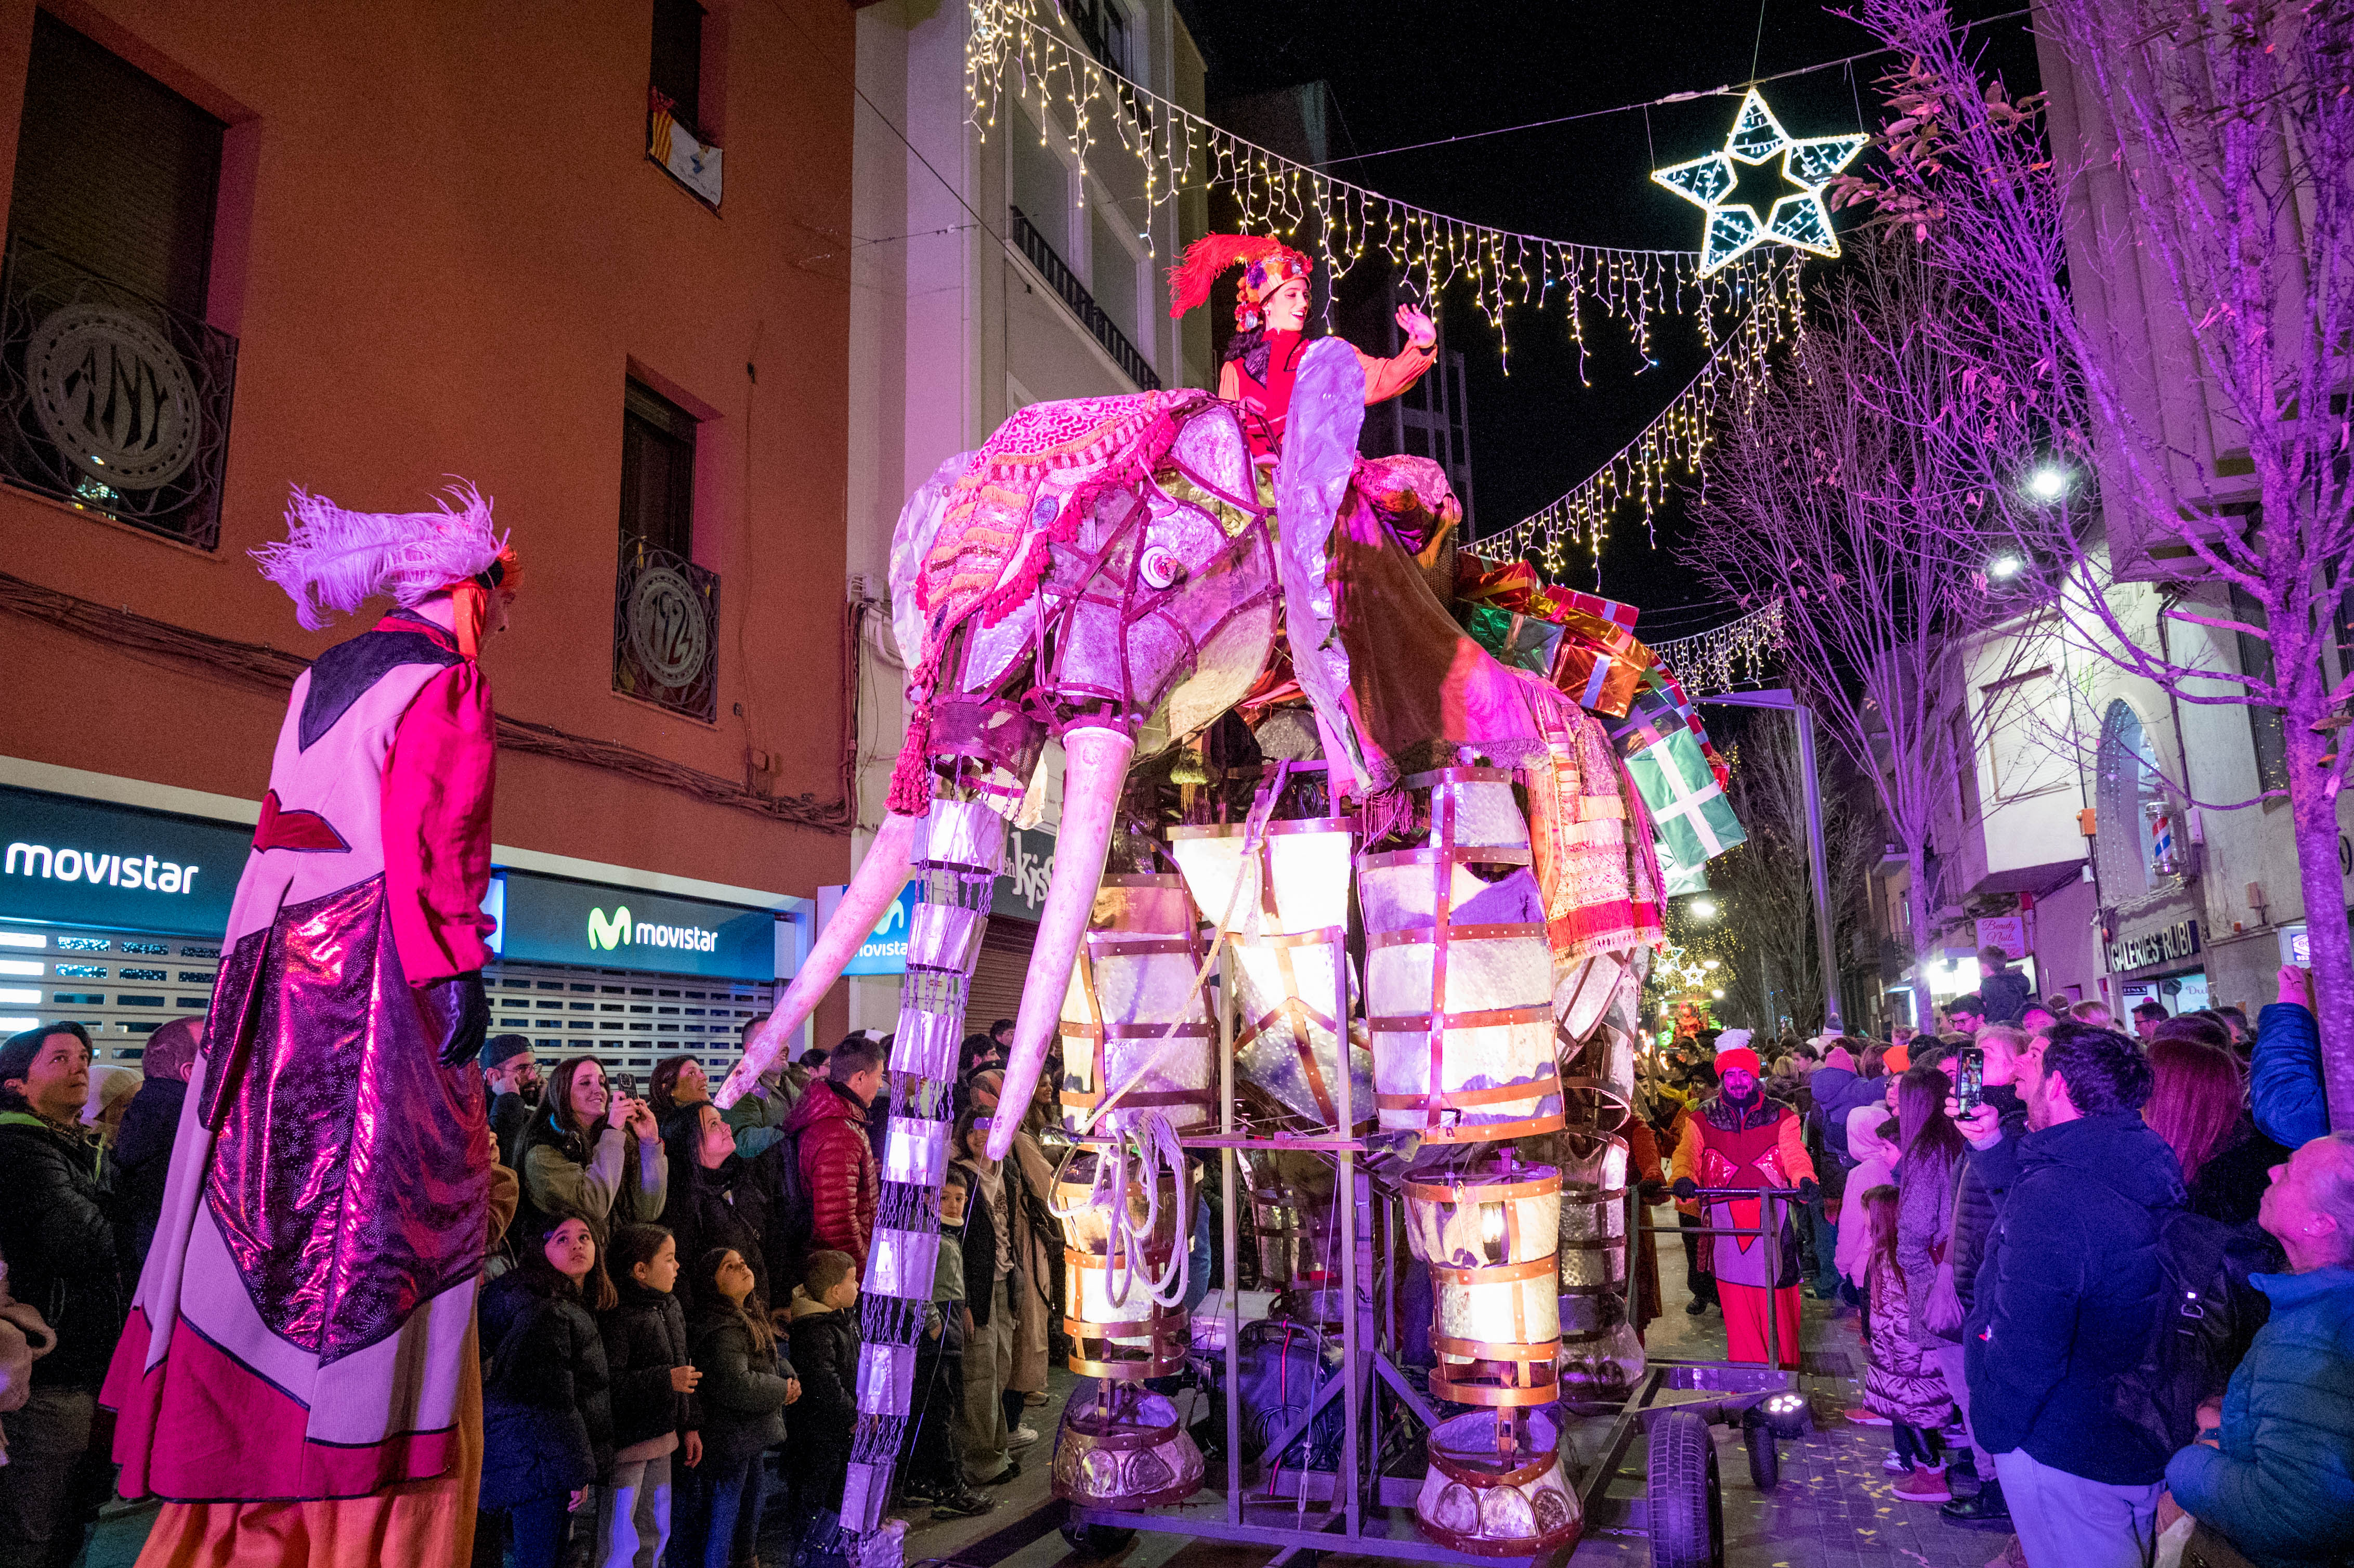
(2285, 1082)
(2277, 1478)
(2068, 1298)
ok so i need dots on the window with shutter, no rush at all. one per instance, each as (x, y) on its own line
(114, 392)
(665, 608)
(677, 72)
(115, 172)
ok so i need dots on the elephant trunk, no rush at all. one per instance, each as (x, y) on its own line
(879, 879)
(1097, 766)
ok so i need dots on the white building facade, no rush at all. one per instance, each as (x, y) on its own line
(986, 274)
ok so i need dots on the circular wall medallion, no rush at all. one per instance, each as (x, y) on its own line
(667, 628)
(113, 394)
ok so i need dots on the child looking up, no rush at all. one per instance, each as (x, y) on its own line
(825, 1354)
(744, 1394)
(1904, 1383)
(655, 1412)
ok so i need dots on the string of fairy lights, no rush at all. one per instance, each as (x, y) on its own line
(1722, 658)
(1011, 51)
(1669, 448)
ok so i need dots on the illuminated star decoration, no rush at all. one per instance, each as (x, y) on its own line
(1799, 220)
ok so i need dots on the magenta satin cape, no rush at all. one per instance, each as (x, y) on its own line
(299, 1327)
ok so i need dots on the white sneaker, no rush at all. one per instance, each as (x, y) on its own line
(1021, 1438)
(1894, 1466)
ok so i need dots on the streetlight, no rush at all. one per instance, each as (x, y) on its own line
(1704, 909)
(2004, 568)
(1709, 964)
(1718, 994)
(2049, 482)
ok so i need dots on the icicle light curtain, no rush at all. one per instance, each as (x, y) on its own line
(1733, 654)
(1010, 49)
(1671, 447)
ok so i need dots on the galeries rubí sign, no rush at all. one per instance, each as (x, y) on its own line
(2166, 946)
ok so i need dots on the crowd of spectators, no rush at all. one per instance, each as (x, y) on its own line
(2107, 1299)
(673, 1312)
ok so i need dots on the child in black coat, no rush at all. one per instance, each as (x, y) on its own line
(825, 1354)
(655, 1410)
(547, 1418)
(744, 1394)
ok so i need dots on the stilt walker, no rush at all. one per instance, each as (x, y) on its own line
(1741, 1138)
(300, 1380)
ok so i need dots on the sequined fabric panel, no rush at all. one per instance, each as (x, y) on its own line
(350, 1176)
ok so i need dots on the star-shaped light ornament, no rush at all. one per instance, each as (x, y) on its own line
(1735, 227)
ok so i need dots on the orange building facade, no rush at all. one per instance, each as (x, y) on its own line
(590, 257)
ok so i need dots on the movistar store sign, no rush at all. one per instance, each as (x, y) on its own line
(550, 920)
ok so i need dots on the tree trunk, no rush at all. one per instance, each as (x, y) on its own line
(1916, 899)
(2313, 813)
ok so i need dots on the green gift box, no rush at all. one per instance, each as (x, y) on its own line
(1522, 642)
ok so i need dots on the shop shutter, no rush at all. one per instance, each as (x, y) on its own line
(626, 1019)
(116, 171)
(120, 985)
(997, 978)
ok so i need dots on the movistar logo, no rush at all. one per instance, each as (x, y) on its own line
(607, 933)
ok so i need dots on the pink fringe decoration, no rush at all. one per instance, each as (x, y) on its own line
(333, 560)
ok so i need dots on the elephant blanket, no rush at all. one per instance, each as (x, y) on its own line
(1026, 489)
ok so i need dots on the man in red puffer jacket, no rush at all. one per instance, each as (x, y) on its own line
(837, 1163)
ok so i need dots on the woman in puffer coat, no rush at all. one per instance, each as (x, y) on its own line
(716, 1200)
(547, 1419)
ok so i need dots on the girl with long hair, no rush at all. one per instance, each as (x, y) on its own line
(1902, 1384)
(593, 1154)
(1928, 1170)
(2199, 1104)
(547, 1416)
(657, 1423)
(747, 1384)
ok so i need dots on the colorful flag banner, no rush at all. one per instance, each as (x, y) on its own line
(1693, 819)
(688, 160)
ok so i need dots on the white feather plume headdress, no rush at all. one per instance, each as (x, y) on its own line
(335, 560)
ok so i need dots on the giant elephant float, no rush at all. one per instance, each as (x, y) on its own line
(1102, 566)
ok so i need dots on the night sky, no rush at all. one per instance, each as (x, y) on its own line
(1412, 70)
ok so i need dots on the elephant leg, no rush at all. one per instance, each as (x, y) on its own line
(956, 866)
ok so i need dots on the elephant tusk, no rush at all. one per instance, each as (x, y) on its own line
(1097, 767)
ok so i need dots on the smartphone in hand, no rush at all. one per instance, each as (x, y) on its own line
(626, 1085)
(1969, 1079)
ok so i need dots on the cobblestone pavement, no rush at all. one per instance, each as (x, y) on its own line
(1833, 1507)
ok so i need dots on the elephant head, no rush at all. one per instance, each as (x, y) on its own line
(1095, 560)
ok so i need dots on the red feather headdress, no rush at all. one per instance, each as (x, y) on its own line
(1271, 265)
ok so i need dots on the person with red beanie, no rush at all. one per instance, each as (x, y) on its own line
(1743, 1139)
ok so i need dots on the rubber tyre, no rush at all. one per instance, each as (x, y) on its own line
(1764, 1456)
(1685, 1500)
(1095, 1539)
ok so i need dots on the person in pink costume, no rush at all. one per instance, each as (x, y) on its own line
(300, 1379)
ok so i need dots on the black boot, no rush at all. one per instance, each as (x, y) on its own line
(1986, 1510)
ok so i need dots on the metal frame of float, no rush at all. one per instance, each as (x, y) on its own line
(1295, 1514)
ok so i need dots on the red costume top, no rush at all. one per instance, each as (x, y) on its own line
(1266, 395)
(1763, 1144)
(1262, 362)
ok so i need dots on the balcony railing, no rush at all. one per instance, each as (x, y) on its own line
(116, 402)
(1065, 283)
(666, 631)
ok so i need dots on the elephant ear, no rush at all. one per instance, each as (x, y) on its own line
(1320, 453)
(911, 544)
